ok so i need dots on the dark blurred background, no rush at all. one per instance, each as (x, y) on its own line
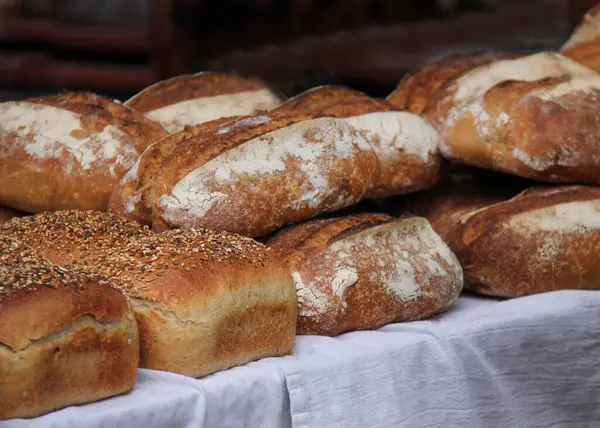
(117, 47)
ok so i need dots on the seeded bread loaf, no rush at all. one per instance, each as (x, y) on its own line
(364, 271)
(249, 176)
(536, 117)
(66, 336)
(584, 44)
(204, 301)
(406, 146)
(416, 89)
(544, 239)
(6, 214)
(68, 151)
(197, 98)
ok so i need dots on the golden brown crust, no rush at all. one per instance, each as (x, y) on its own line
(544, 239)
(186, 87)
(68, 151)
(362, 272)
(315, 99)
(415, 90)
(584, 44)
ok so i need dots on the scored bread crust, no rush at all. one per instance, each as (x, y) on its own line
(584, 44)
(544, 239)
(65, 337)
(256, 174)
(364, 271)
(68, 151)
(416, 89)
(406, 146)
(196, 98)
(535, 117)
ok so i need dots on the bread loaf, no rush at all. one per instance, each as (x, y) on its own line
(536, 117)
(202, 97)
(66, 337)
(584, 44)
(204, 301)
(544, 239)
(416, 89)
(68, 151)
(250, 176)
(406, 146)
(6, 214)
(364, 271)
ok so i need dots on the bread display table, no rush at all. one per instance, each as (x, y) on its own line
(527, 362)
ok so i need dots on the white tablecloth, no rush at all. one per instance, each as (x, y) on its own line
(528, 362)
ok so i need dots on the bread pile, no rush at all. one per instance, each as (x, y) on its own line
(147, 210)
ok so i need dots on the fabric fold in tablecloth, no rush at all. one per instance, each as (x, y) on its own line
(528, 362)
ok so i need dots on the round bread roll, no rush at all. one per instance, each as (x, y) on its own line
(584, 44)
(68, 151)
(416, 89)
(249, 176)
(364, 271)
(537, 117)
(66, 336)
(544, 239)
(73, 237)
(406, 145)
(197, 98)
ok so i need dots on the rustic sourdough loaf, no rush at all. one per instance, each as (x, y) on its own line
(364, 271)
(204, 301)
(68, 151)
(584, 44)
(406, 145)
(416, 89)
(544, 239)
(536, 117)
(66, 336)
(202, 97)
(249, 176)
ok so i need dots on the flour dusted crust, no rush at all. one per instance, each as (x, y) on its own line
(68, 151)
(544, 239)
(364, 271)
(416, 89)
(405, 144)
(536, 117)
(256, 174)
(66, 336)
(584, 44)
(193, 99)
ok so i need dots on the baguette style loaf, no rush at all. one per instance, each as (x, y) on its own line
(68, 151)
(536, 117)
(406, 145)
(544, 239)
(193, 99)
(584, 44)
(249, 176)
(364, 271)
(66, 337)
(416, 89)
(204, 301)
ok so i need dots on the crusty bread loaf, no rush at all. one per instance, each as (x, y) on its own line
(73, 237)
(544, 239)
(584, 44)
(416, 89)
(364, 271)
(536, 117)
(463, 191)
(68, 151)
(204, 301)
(405, 144)
(249, 176)
(6, 214)
(66, 337)
(197, 98)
